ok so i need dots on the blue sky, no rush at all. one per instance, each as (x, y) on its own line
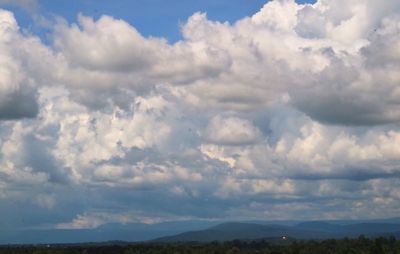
(152, 17)
(152, 111)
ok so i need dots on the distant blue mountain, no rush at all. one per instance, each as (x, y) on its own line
(203, 231)
(366, 228)
(304, 230)
(241, 231)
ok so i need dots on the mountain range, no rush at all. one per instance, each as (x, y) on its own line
(305, 230)
(205, 231)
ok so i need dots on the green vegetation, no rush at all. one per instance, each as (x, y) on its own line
(359, 245)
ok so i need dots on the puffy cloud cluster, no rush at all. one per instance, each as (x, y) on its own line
(23, 66)
(119, 60)
(293, 111)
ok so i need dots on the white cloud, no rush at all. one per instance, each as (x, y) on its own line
(232, 131)
(86, 138)
(95, 219)
(296, 105)
(119, 60)
(248, 65)
(109, 44)
(24, 65)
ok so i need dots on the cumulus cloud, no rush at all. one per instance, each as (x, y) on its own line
(232, 131)
(23, 66)
(295, 108)
(109, 44)
(276, 46)
(119, 60)
(249, 64)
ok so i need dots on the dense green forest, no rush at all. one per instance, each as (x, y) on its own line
(360, 245)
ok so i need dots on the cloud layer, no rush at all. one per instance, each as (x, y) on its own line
(290, 113)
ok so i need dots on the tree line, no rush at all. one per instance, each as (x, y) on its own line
(360, 245)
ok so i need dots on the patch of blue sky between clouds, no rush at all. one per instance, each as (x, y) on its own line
(156, 18)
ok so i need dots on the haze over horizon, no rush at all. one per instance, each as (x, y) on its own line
(153, 111)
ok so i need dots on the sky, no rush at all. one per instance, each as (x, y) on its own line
(152, 111)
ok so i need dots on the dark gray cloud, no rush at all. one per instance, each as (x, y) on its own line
(36, 154)
(20, 104)
(345, 109)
